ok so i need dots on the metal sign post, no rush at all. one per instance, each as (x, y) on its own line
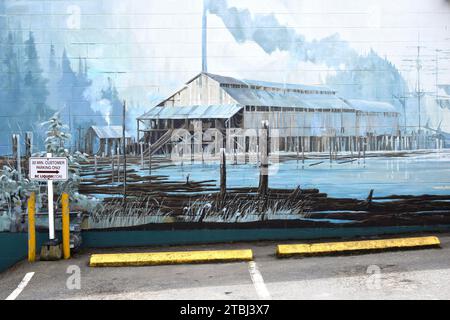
(51, 216)
(49, 169)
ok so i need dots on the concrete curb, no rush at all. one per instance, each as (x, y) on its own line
(163, 258)
(356, 246)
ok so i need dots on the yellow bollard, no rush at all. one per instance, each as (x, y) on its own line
(66, 225)
(31, 228)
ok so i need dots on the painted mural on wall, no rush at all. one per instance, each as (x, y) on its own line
(220, 112)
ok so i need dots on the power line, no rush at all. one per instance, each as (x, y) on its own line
(197, 13)
(175, 28)
(181, 42)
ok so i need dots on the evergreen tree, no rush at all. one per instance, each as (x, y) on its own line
(11, 90)
(65, 85)
(53, 75)
(75, 106)
(369, 77)
(3, 21)
(13, 82)
(24, 92)
(52, 66)
(35, 85)
(3, 25)
(33, 91)
(3, 74)
(57, 142)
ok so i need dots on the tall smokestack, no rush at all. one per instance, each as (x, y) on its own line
(204, 38)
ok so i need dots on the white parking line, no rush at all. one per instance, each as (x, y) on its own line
(258, 282)
(21, 286)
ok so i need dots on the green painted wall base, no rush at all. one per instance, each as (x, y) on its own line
(104, 239)
(14, 246)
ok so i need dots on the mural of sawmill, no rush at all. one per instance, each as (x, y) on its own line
(306, 118)
(362, 140)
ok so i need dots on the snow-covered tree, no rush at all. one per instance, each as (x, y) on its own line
(14, 190)
(56, 143)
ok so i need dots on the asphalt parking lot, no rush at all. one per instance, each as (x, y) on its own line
(412, 274)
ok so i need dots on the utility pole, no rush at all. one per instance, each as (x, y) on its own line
(16, 153)
(124, 155)
(402, 100)
(79, 138)
(437, 73)
(124, 143)
(419, 92)
(437, 81)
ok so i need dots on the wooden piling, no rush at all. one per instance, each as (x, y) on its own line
(264, 168)
(28, 144)
(303, 150)
(329, 148)
(223, 173)
(235, 149)
(16, 152)
(14, 144)
(150, 159)
(141, 146)
(118, 166)
(112, 169)
(364, 150)
(359, 149)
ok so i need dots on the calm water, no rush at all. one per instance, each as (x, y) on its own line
(427, 174)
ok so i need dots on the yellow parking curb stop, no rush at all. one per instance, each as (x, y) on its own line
(355, 246)
(161, 258)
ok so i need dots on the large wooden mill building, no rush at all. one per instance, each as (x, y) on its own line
(306, 118)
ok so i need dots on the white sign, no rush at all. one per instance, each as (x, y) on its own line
(48, 169)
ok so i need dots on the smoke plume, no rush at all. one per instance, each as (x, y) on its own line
(266, 31)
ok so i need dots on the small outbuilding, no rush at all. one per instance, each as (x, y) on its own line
(105, 140)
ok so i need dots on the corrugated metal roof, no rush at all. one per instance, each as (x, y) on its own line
(259, 83)
(254, 97)
(371, 106)
(193, 112)
(289, 86)
(289, 98)
(225, 79)
(109, 132)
